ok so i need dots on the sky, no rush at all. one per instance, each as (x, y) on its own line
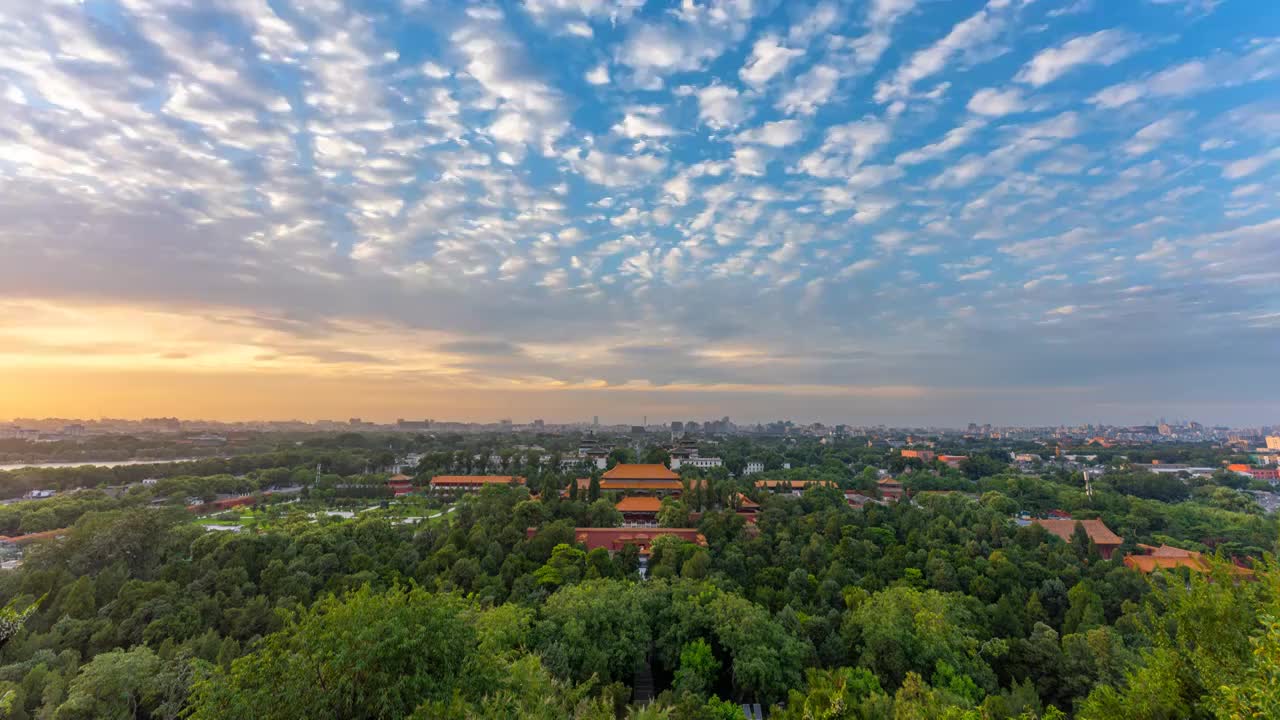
(927, 211)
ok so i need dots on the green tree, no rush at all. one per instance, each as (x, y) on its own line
(364, 655)
(698, 669)
(117, 685)
(902, 630)
(595, 628)
(673, 514)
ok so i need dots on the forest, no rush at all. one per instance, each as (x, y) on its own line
(940, 607)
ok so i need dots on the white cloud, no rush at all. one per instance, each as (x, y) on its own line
(720, 107)
(845, 147)
(1037, 282)
(644, 121)
(768, 58)
(701, 34)
(977, 30)
(810, 91)
(1193, 76)
(1250, 165)
(955, 137)
(611, 10)
(1151, 136)
(995, 103)
(774, 134)
(598, 75)
(749, 161)
(1105, 47)
(434, 71)
(859, 266)
(1160, 248)
(611, 170)
(891, 240)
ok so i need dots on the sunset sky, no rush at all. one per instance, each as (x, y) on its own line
(898, 211)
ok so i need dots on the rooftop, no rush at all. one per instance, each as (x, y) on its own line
(654, 471)
(772, 484)
(639, 503)
(1098, 532)
(614, 539)
(477, 480)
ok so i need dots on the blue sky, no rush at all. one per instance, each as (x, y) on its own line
(938, 211)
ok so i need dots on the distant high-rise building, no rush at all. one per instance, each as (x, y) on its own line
(1273, 442)
(595, 420)
(677, 426)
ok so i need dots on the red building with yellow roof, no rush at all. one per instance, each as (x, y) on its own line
(654, 479)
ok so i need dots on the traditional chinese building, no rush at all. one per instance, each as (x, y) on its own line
(614, 539)
(1101, 535)
(400, 485)
(794, 487)
(647, 479)
(890, 489)
(455, 485)
(639, 509)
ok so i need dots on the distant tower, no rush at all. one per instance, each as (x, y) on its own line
(595, 420)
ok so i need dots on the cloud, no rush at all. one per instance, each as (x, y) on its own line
(964, 38)
(1221, 70)
(813, 89)
(721, 107)
(311, 183)
(1105, 47)
(697, 35)
(1250, 165)
(995, 103)
(845, 147)
(779, 133)
(1159, 249)
(642, 121)
(857, 267)
(612, 170)
(768, 58)
(598, 75)
(1152, 135)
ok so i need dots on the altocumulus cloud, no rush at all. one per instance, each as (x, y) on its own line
(718, 196)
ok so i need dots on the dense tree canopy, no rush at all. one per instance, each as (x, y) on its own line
(940, 606)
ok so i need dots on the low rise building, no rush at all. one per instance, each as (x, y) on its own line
(639, 510)
(615, 539)
(400, 485)
(1103, 538)
(455, 485)
(1148, 559)
(635, 478)
(793, 487)
(890, 489)
(697, 462)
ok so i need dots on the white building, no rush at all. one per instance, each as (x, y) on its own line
(754, 466)
(697, 462)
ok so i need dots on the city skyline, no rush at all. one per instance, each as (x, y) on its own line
(433, 421)
(891, 210)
